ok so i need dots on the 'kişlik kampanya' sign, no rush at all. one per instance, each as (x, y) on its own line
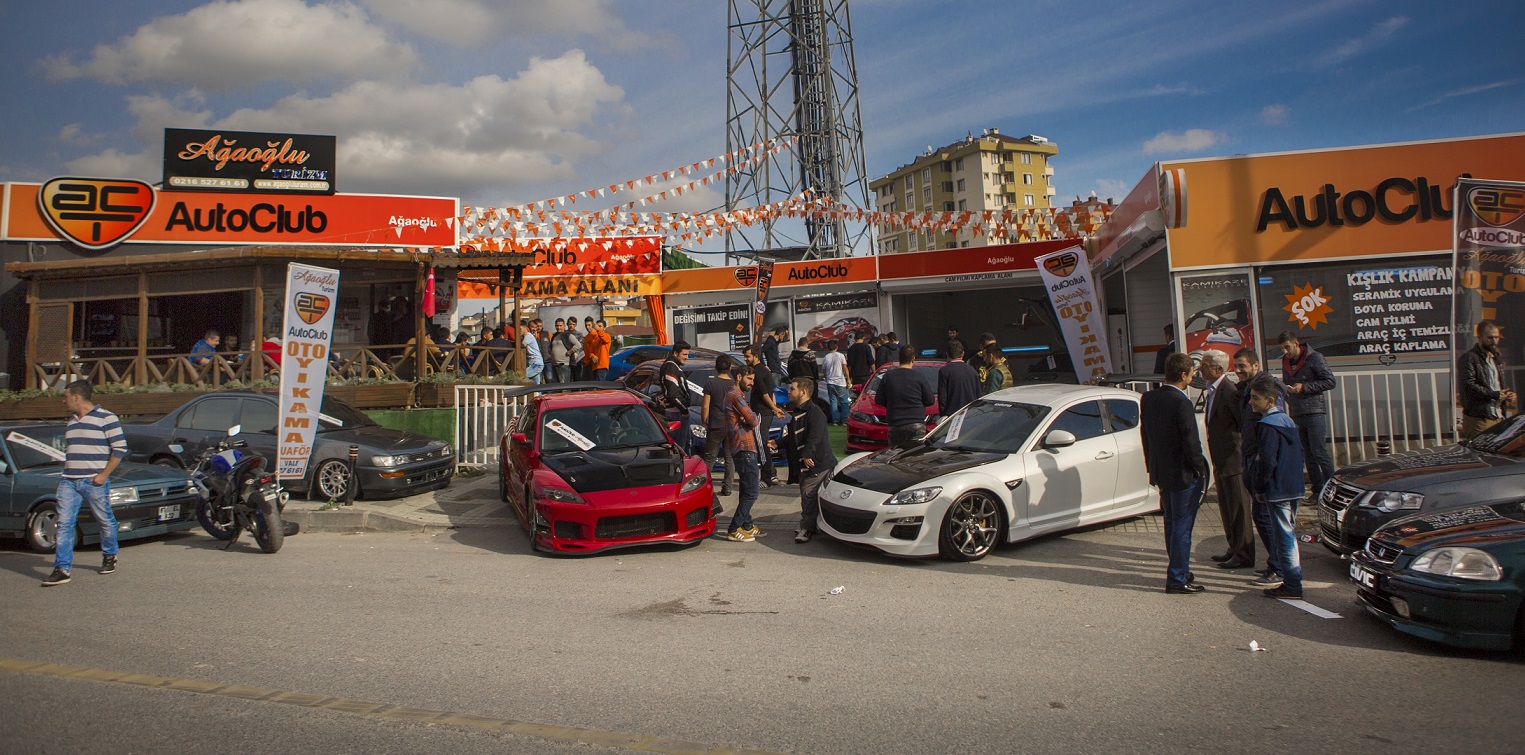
(306, 334)
(1067, 276)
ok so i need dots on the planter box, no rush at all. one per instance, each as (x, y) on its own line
(435, 395)
(387, 396)
(121, 404)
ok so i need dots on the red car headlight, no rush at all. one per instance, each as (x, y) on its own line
(694, 483)
(558, 495)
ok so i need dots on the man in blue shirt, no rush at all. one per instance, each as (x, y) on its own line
(535, 363)
(202, 352)
(94, 447)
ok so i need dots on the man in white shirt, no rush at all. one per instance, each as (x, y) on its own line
(834, 372)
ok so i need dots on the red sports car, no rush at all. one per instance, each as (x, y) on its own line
(1225, 327)
(588, 470)
(843, 331)
(866, 430)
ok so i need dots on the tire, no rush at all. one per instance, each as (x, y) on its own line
(269, 532)
(502, 485)
(971, 528)
(331, 480)
(168, 462)
(42, 528)
(209, 522)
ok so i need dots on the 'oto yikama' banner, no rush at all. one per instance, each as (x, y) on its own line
(1067, 277)
(305, 337)
(1490, 268)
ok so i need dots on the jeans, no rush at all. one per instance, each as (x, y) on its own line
(841, 402)
(746, 471)
(901, 435)
(1180, 509)
(810, 498)
(533, 372)
(563, 373)
(1313, 431)
(600, 374)
(1265, 526)
(71, 493)
(714, 448)
(1283, 513)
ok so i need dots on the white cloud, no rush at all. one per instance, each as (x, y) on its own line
(478, 23)
(1274, 115)
(73, 134)
(114, 164)
(422, 138)
(1184, 142)
(1111, 188)
(1464, 92)
(233, 44)
(1353, 47)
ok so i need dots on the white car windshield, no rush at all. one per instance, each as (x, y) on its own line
(992, 426)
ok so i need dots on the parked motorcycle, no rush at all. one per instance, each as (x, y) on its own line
(238, 494)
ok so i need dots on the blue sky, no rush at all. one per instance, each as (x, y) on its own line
(506, 101)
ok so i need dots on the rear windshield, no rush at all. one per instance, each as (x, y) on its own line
(27, 446)
(1507, 438)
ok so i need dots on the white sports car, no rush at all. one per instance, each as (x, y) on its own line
(1016, 464)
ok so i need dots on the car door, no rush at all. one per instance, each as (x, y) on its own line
(202, 423)
(1132, 476)
(519, 465)
(1076, 483)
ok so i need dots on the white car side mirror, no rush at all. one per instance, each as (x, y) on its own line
(1059, 439)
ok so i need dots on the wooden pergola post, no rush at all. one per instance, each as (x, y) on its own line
(140, 365)
(257, 370)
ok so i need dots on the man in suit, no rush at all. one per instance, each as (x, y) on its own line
(1223, 447)
(1173, 456)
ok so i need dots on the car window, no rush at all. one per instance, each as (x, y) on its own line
(1122, 414)
(214, 415)
(1083, 420)
(336, 414)
(258, 416)
(616, 426)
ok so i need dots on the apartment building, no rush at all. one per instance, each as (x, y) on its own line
(991, 171)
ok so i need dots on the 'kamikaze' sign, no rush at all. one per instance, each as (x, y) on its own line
(305, 337)
(1067, 276)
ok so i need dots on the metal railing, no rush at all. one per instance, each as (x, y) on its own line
(1407, 409)
(482, 414)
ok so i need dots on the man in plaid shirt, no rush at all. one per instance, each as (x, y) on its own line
(741, 442)
(94, 446)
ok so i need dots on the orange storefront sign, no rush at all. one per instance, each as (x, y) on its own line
(968, 260)
(846, 270)
(1330, 204)
(222, 218)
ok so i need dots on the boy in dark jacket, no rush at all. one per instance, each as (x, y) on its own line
(1274, 476)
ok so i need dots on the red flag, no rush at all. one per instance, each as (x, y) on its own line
(429, 294)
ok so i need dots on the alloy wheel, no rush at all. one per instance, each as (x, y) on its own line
(973, 525)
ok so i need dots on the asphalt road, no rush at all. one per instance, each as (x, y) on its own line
(1067, 644)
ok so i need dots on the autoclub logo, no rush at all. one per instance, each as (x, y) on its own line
(95, 213)
(1497, 206)
(746, 276)
(310, 306)
(1061, 265)
(1309, 306)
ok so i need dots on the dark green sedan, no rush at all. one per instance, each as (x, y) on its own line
(147, 500)
(1455, 577)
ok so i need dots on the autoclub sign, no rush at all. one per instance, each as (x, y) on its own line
(245, 161)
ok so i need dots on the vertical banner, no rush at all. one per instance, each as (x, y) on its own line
(305, 337)
(1490, 270)
(1071, 290)
(760, 308)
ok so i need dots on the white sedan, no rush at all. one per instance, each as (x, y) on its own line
(1016, 464)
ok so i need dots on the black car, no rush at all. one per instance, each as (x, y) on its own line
(392, 462)
(1360, 499)
(646, 380)
(1456, 577)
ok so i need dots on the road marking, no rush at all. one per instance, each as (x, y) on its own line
(377, 710)
(1313, 609)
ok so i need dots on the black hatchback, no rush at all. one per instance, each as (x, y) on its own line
(392, 463)
(1360, 499)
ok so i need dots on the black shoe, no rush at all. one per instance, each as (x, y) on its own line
(108, 564)
(1223, 557)
(725, 491)
(1235, 564)
(1283, 592)
(1272, 580)
(58, 577)
(1190, 588)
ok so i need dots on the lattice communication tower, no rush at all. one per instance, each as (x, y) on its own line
(790, 72)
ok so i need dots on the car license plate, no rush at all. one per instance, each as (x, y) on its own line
(1327, 518)
(167, 513)
(1363, 577)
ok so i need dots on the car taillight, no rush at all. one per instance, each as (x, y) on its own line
(267, 479)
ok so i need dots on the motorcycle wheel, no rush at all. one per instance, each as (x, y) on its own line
(269, 532)
(209, 522)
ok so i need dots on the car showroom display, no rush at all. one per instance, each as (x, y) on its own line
(588, 470)
(1016, 464)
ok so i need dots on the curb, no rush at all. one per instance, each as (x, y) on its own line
(357, 521)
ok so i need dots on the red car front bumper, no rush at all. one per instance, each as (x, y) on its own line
(607, 522)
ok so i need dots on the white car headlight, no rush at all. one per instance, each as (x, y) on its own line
(694, 483)
(445, 450)
(1462, 563)
(559, 495)
(699, 431)
(1392, 500)
(387, 461)
(122, 495)
(919, 495)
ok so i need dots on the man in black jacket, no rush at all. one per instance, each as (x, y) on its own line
(770, 350)
(958, 384)
(860, 359)
(1479, 382)
(675, 398)
(1306, 375)
(1173, 457)
(888, 352)
(1224, 441)
(807, 431)
(906, 399)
